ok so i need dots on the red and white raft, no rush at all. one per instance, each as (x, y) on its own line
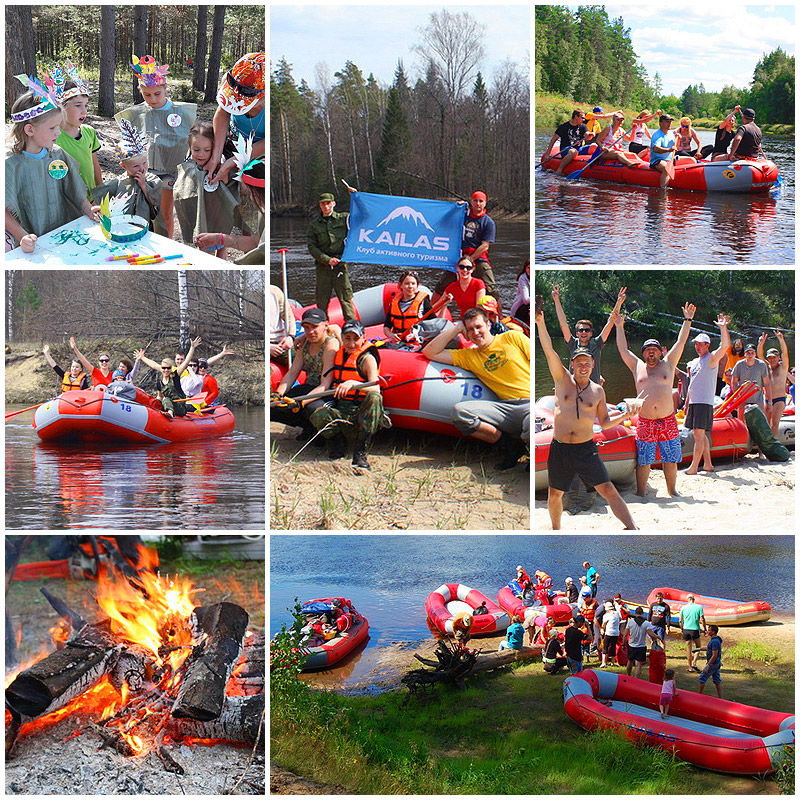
(93, 416)
(352, 629)
(716, 610)
(707, 731)
(452, 599)
(559, 612)
(746, 175)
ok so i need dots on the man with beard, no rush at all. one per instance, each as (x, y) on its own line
(657, 430)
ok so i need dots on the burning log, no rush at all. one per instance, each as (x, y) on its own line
(248, 676)
(52, 682)
(202, 691)
(239, 721)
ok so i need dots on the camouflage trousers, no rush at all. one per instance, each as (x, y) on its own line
(353, 416)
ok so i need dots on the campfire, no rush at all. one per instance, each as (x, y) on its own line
(150, 669)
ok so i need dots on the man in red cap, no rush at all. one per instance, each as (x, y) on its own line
(479, 233)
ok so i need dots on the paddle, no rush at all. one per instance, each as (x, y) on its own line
(23, 410)
(555, 155)
(573, 176)
(284, 400)
(198, 398)
(290, 322)
(669, 168)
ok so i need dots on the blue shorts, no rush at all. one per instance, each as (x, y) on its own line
(582, 151)
(713, 673)
(670, 452)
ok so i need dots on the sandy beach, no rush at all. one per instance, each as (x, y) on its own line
(417, 481)
(748, 496)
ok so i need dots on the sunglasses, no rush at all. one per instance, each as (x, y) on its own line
(466, 266)
(193, 365)
(166, 367)
(241, 88)
(584, 330)
(103, 360)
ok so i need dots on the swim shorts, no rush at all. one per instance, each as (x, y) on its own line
(657, 435)
(700, 416)
(637, 653)
(778, 400)
(713, 673)
(690, 634)
(568, 460)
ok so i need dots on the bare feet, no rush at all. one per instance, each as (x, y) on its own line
(690, 471)
(708, 469)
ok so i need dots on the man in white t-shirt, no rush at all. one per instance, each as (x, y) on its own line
(637, 630)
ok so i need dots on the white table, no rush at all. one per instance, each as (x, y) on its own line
(81, 243)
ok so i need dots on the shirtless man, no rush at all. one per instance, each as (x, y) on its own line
(658, 428)
(573, 451)
(778, 364)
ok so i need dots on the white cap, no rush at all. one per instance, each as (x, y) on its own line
(519, 568)
(568, 580)
(702, 337)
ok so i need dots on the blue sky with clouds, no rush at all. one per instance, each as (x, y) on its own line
(375, 36)
(716, 44)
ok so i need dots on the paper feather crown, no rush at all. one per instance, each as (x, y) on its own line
(57, 78)
(132, 141)
(149, 72)
(249, 167)
(118, 226)
(48, 100)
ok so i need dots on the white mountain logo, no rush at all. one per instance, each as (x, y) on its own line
(407, 213)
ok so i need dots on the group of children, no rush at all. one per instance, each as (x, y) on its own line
(53, 174)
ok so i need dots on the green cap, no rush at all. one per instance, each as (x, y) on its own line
(326, 197)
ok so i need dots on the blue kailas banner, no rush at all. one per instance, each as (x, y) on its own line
(404, 231)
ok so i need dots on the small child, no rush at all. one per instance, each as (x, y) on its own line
(44, 189)
(141, 189)
(77, 139)
(668, 692)
(166, 123)
(203, 207)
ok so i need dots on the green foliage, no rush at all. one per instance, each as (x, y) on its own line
(784, 772)
(286, 663)
(751, 651)
(184, 93)
(28, 299)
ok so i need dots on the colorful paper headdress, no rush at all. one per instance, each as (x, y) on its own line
(149, 72)
(118, 226)
(132, 141)
(243, 86)
(250, 170)
(57, 78)
(49, 101)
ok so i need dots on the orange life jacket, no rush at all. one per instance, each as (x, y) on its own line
(588, 613)
(402, 321)
(70, 384)
(345, 367)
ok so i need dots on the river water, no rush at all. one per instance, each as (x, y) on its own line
(508, 254)
(215, 483)
(596, 222)
(389, 577)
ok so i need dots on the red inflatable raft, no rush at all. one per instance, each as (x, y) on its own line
(352, 630)
(756, 175)
(92, 416)
(559, 612)
(452, 599)
(716, 610)
(712, 733)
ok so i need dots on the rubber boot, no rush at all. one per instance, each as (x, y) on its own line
(360, 450)
(337, 446)
(511, 449)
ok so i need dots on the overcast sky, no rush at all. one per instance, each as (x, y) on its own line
(375, 36)
(715, 44)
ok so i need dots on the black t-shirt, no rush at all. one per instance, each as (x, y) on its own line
(722, 139)
(552, 649)
(659, 614)
(750, 144)
(572, 642)
(572, 593)
(571, 135)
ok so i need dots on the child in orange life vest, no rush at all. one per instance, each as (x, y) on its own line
(44, 189)
(74, 379)
(355, 408)
(201, 206)
(166, 123)
(406, 307)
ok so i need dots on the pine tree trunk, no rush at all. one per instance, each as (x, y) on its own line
(28, 39)
(200, 48)
(15, 64)
(105, 99)
(214, 59)
(139, 44)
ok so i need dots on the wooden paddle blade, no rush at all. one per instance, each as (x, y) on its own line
(23, 410)
(670, 169)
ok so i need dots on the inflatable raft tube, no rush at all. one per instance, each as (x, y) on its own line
(744, 176)
(354, 631)
(706, 731)
(560, 613)
(93, 416)
(762, 436)
(716, 610)
(452, 599)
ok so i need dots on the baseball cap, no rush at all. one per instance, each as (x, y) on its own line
(314, 315)
(748, 113)
(749, 346)
(597, 110)
(651, 343)
(243, 85)
(773, 352)
(568, 580)
(353, 326)
(666, 116)
(581, 351)
(702, 337)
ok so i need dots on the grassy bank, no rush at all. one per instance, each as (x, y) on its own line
(30, 380)
(553, 109)
(507, 734)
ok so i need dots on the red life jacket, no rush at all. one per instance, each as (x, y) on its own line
(345, 367)
(70, 384)
(402, 321)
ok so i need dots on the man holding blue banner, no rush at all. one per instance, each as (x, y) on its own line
(326, 240)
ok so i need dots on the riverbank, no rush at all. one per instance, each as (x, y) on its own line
(475, 741)
(28, 378)
(416, 482)
(752, 494)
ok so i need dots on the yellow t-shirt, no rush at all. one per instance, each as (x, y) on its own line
(504, 366)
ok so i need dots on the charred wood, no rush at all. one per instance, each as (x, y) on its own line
(202, 692)
(63, 610)
(239, 721)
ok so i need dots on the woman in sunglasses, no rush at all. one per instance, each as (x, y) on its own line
(101, 375)
(466, 291)
(685, 135)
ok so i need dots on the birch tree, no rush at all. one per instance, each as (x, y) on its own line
(183, 306)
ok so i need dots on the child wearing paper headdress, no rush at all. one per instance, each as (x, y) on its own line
(141, 189)
(166, 124)
(44, 189)
(79, 140)
(251, 176)
(200, 206)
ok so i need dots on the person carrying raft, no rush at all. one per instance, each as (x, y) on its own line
(72, 380)
(355, 405)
